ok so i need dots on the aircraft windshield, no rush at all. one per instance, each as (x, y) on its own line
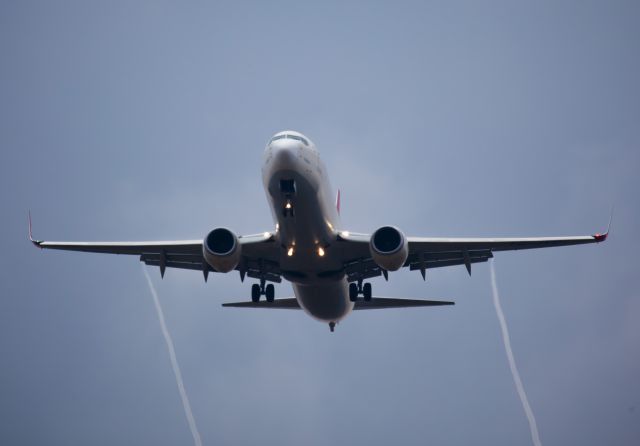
(295, 137)
(298, 138)
(275, 138)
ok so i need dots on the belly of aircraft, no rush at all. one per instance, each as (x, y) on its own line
(304, 230)
(327, 302)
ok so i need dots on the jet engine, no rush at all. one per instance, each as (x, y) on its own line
(389, 248)
(221, 250)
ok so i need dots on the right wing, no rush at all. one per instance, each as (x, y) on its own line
(259, 254)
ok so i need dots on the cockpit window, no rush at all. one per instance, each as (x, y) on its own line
(275, 138)
(296, 137)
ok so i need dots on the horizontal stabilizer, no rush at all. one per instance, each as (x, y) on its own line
(289, 303)
(376, 303)
(379, 303)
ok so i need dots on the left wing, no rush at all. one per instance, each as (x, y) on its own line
(433, 252)
(259, 254)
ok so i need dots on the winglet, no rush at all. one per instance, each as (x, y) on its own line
(35, 242)
(602, 237)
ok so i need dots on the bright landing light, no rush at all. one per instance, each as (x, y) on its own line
(290, 252)
(320, 251)
(288, 205)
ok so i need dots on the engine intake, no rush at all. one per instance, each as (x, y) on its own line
(389, 248)
(221, 250)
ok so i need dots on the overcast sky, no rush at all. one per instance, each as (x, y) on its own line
(147, 120)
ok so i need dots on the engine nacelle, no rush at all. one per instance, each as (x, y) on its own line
(389, 248)
(221, 250)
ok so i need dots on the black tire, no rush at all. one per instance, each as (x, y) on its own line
(270, 292)
(366, 291)
(353, 292)
(255, 292)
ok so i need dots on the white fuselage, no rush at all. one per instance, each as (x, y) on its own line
(307, 223)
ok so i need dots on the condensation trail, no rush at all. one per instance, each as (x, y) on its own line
(174, 363)
(535, 437)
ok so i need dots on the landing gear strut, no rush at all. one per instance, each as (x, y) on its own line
(261, 290)
(332, 326)
(357, 289)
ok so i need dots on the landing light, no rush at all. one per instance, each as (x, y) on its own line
(290, 252)
(320, 251)
(267, 234)
(288, 205)
(345, 233)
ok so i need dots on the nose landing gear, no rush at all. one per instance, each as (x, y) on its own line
(287, 210)
(261, 290)
(359, 288)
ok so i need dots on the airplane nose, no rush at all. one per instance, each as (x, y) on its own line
(285, 157)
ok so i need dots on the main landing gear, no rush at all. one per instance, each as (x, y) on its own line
(267, 291)
(359, 288)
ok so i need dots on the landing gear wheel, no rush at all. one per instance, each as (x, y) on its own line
(353, 292)
(366, 292)
(255, 292)
(269, 292)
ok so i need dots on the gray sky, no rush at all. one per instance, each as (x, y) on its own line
(147, 120)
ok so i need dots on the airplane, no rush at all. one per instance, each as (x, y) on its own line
(326, 264)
